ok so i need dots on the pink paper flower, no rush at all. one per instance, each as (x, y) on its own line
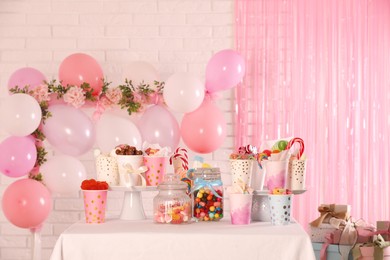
(114, 95)
(41, 93)
(75, 96)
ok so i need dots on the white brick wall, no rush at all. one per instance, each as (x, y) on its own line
(173, 35)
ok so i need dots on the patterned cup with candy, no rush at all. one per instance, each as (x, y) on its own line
(95, 200)
(280, 206)
(156, 169)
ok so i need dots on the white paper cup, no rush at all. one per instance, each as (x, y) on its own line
(241, 169)
(280, 209)
(124, 163)
(296, 175)
(107, 169)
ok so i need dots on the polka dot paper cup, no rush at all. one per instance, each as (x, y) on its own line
(95, 205)
(280, 209)
(241, 169)
(156, 169)
(296, 175)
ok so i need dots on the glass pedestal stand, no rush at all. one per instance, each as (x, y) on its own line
(132, 208)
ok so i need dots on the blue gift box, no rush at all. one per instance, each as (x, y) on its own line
(332, 252)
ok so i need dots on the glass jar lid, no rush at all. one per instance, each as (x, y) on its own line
(172, 182)
(207, 173)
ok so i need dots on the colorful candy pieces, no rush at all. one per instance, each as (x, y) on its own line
(173, 213)
(207, 206)
(280, 191)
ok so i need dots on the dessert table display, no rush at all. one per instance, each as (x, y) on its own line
(144, 239)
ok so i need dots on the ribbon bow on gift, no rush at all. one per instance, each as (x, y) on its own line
(131, 170)
(328, 211)
(200, 183)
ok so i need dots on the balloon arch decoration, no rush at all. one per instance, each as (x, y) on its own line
(38, 110)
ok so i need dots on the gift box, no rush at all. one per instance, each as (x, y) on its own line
(332, 252)
(384, 227)
(368, 253)
(318, 234)
(329, 211)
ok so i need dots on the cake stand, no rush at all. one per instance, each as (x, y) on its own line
(132, 208)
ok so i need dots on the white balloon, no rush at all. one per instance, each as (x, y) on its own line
(140, 71)
(112, 131)
(183, 92)
(63, 174)
(21, 114)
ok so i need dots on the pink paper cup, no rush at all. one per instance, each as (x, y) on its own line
(156, 169)
(240, 208)
(95, 205)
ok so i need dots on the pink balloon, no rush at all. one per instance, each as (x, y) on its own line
(26, 203)
(79, 68)
(69, 130)
(26, 77)
(158, 126)
(204, 129)
(18, 156)
(224, 70)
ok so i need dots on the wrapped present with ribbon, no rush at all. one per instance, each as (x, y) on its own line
(319, 234)
(329, 211)
(384, 228)
(379, 249)
(347, 233)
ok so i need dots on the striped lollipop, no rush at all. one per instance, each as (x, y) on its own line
(301, 143)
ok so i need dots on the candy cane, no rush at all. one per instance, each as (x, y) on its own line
(301, 143)
(180, 153)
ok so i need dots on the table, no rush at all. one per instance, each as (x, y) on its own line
(142, 239)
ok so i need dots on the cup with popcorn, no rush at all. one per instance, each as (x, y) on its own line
(240, 197)
(95, 200)
(156, 160)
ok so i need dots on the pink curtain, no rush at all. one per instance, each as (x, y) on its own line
(320, 70)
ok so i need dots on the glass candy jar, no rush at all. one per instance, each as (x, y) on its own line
(172, 205)
(207, 194)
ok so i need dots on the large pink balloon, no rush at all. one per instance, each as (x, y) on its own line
(224, 70)
(79, 68)
(26, 203)
(158, 126)
(204, 130)
(69, 130)
(26, 77)
(18, 155)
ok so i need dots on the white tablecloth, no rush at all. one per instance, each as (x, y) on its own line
(120, 239)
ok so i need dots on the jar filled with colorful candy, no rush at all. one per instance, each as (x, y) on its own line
(172, 205)
(207, 194)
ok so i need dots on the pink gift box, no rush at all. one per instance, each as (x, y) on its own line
(367, 253)
(384, 226)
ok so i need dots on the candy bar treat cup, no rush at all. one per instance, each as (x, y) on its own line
(296, 175)
(260, 208)
(241, 169)
(156, 169)
(95, 205)
(127, 164)
(275, 174)
(240, 208)
(107, 169)
(280, 209)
